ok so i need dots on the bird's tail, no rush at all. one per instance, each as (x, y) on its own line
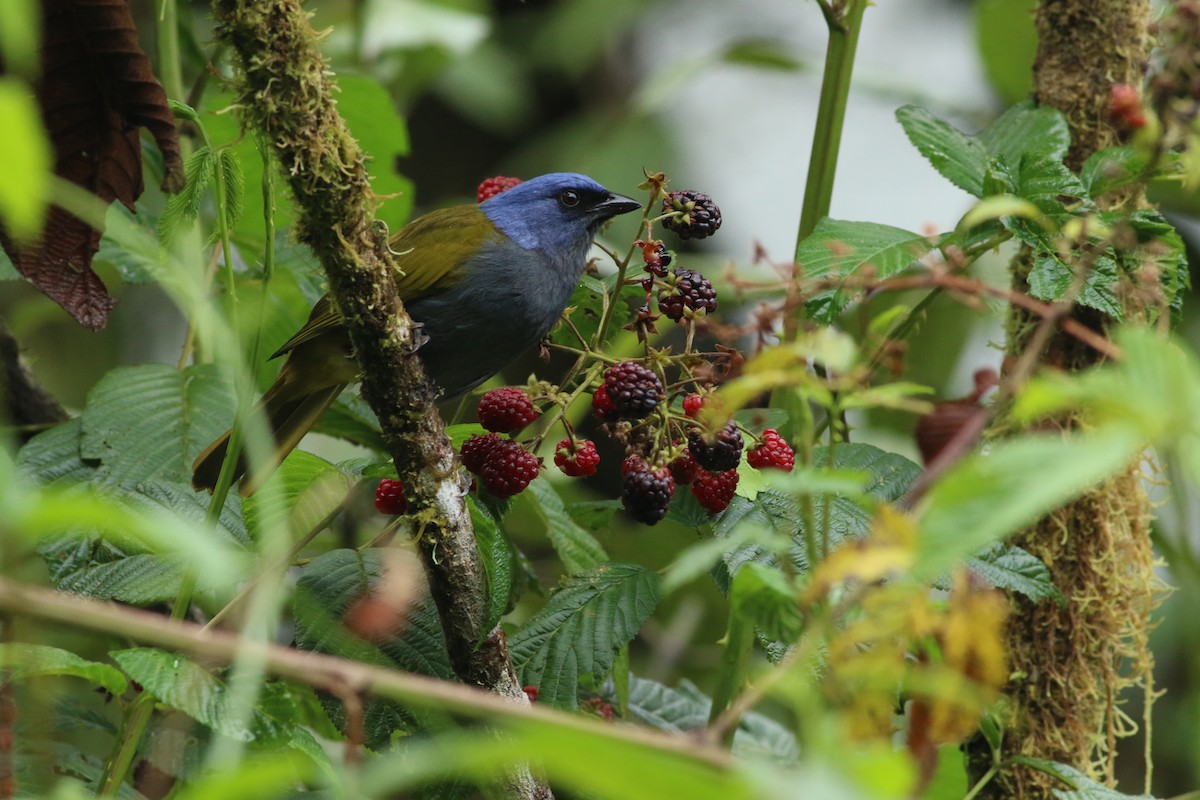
(290, 416)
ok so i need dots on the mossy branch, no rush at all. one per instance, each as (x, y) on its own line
(286, 95)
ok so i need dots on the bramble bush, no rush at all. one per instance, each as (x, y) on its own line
(864, 597)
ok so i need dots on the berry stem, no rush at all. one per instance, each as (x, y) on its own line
(735, 659)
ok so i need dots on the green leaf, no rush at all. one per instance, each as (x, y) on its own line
(150, 421)
(987, 497)
(1015, 570)
(960, 158)
(350, 418)
(496, 552)
(1112, 168)
(304, 490)
(235, 185)
(53, 456)
(189, 688)
(1081, 786)
(763, 53)
(25, 179)
(326, 588)
(764, 597)
(1007, 40)
(184, 207)
(20, 661)
(1025, 129)
(685, 709)
(139, 579)
(1051, 277)
(837, 248)
(578, 549)
(578, 633)
(271, 775)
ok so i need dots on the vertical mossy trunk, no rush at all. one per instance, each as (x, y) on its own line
(1070, 664)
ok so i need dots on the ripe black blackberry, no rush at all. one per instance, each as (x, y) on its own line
(690, 291)
(720, 455)
(634, 390)
(646, 493)
(691, 214)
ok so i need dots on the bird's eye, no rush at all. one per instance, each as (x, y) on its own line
(569, 198)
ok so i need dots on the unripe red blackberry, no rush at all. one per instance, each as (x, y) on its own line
(691, 214)
(389, 497)
(494, 186)
(508, 469)
(634, 389)
(690, 291)
(715, 490)
(722, 454)
(602, 406)
(578, 460)
(475, 450)
(505, 410)
(772, 452)
(646, 493)
(692, 405)
(684, 469)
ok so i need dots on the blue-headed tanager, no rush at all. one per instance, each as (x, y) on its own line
(484, 281)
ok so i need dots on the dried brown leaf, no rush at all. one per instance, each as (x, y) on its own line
(96, 90)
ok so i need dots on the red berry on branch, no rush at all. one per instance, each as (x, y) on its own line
(602, 406)
(692, 405)
(475, 450)
(389, 497)
(578, 460)
(715, 490)
(684, 469)
(773, 452)
(508, 469)
(505, 410)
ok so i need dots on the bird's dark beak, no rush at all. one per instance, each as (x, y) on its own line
(615, 205)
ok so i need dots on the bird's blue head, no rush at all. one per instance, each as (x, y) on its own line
(556, 212)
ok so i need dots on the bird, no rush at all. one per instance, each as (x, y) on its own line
(484, 282)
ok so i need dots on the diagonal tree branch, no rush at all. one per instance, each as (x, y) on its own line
(286, 93)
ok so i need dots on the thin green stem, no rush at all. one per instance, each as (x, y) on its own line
(137, 718)
(735, 660)
(844, 26)
(982, 782)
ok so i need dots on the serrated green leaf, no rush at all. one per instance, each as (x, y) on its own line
(1025, 129)
(987, 497)
(53, 456)
(960, 158)
(838, 248)
(139, 579)
(1050, 278)
(184, 206)
(20, 661)
(150, 421)
(183, 111)
(234, 186)
(1016, 570)
(578, 549)
(1081, 786)
(497, 555)
(762, 596)
(578, 633)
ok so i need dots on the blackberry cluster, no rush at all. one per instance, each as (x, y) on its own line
(689, 292)
(646, 493)
(691, 214)
(720, 455)
(634, 390)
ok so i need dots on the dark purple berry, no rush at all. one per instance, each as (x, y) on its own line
(691, 292)
(720, 455)
(646, 493)
(635, 391)
(691, 214)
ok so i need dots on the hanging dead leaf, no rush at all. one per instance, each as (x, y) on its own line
(96, 90)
